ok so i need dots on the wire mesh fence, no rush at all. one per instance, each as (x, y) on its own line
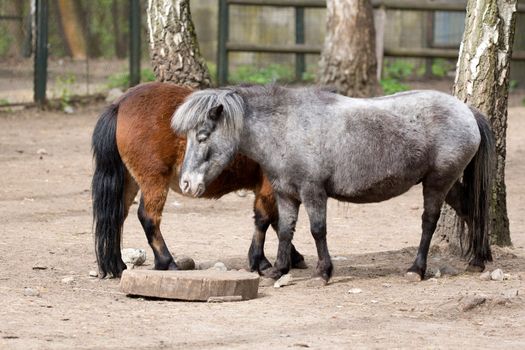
(88, 45)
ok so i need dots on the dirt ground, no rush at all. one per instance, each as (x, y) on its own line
(45, 215)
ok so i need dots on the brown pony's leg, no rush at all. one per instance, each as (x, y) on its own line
(266, 213)
(130, 192)
(154, 193)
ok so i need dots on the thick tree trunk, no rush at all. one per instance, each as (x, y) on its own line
(72, 28)
(175, 53)
(348, 61)
(482, 80)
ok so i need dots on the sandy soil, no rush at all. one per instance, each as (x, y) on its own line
(45, 220)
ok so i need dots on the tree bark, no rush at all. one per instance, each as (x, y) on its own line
(71, 26)
(348, 61)
(174, 48)
(482, 81)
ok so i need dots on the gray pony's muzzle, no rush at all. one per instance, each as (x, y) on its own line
(192, 183)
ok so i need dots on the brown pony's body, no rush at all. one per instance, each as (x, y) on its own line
(135, 148)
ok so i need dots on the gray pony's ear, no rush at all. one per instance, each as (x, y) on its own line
(215, 113)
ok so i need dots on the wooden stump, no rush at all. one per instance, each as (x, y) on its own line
(190, 285)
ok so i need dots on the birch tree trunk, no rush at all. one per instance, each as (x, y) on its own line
(348, 61)
(174, 49)
(482, 81)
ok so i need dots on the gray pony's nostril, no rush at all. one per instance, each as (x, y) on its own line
(185, 186)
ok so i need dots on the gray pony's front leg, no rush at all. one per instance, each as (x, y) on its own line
(315, 202)
(288, 211)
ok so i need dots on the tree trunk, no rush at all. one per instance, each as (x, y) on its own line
(121, 40)
(348, 61)
(482, 81)
(71, 25)
(175, 53)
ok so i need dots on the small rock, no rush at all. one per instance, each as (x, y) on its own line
(41, 152)
(433, 280)
(485, 276)
(470, 302)
(39, 266)
(437, 274)
(93, 273)
(285, 280)
(339, 258)
(354, 291)
(511, 293)
(496, 275)
(386, 285)
(507, 276)
(113, 94)
(30, 292)
(68, 280)
(205, 265)
(219, 266)
(69, 110)
(132, 256)
(185, 263)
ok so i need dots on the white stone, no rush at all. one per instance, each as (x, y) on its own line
(68, 280)
(219, 266)
(132, 256)
(285, 280)
(30, 292)
(485, 276)
(93, 273)
(355, 291)
(496, 275)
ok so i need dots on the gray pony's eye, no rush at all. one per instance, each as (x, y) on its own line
(202, 136)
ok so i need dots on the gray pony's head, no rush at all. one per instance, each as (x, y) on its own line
(212, 121)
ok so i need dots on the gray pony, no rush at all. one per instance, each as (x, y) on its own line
(314, 144)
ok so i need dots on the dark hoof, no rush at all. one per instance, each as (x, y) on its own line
(259, 265)
(324, 271)
(298, 260)
(273, 273)
(301, 265)
(165, 265)
(415, 274)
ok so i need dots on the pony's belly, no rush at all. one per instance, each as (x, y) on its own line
(378, 192)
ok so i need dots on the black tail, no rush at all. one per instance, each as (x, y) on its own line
(477, 183)
(107, 191)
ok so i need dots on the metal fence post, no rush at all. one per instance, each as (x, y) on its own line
(222, 52)
(134, 43)
(40, 73)
(299, 39)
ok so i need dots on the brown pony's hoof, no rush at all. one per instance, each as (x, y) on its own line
(413, 277)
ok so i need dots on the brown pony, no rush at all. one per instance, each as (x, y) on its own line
(135, 148)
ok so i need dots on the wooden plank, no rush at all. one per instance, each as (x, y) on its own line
(197, 285)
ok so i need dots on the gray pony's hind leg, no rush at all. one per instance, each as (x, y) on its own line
(315, 203)
(288, 212)
(433, 197)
